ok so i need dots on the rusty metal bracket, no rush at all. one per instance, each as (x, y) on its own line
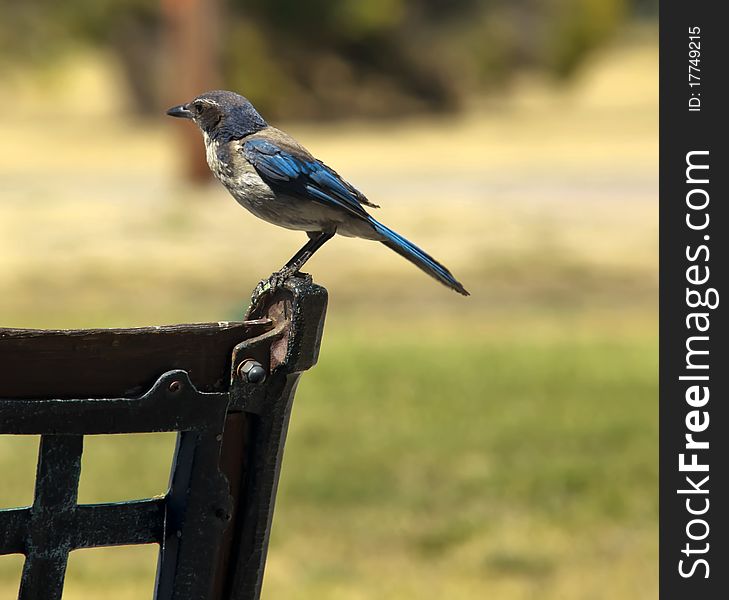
(292, 346)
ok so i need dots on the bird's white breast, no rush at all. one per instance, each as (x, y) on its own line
(228, 163)
(230, 166)
(219, 168)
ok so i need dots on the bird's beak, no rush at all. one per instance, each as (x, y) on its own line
(181, 111)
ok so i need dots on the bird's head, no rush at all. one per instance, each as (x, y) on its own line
(222, 115)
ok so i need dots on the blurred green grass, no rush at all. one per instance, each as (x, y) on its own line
(501, 446)
(471, 468)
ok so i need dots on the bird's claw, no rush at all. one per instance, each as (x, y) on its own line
(275, 281)
(305, 276)
(264, 286)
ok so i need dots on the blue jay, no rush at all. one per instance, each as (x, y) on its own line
(279, 181)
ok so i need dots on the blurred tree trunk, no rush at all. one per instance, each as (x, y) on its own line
(135, 38)
(192, 32)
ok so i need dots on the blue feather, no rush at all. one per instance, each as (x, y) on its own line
(418, 257)
(294, 175)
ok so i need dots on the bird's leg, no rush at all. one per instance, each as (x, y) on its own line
(298, 260)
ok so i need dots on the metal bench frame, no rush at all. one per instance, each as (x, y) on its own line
(214, 522)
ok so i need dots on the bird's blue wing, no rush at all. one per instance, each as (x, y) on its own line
(271, 162)
(302, 176)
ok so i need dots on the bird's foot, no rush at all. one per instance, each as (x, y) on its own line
(275, 281)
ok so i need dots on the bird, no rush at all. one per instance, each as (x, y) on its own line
(278, 180)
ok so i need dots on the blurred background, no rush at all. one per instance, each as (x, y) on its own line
(498, 446)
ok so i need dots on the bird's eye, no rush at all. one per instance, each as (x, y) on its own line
(197, 108)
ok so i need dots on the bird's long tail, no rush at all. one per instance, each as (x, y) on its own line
(418, 257)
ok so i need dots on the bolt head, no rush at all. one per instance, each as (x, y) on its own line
(252, 371)
(175, 386)
(257, 374)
